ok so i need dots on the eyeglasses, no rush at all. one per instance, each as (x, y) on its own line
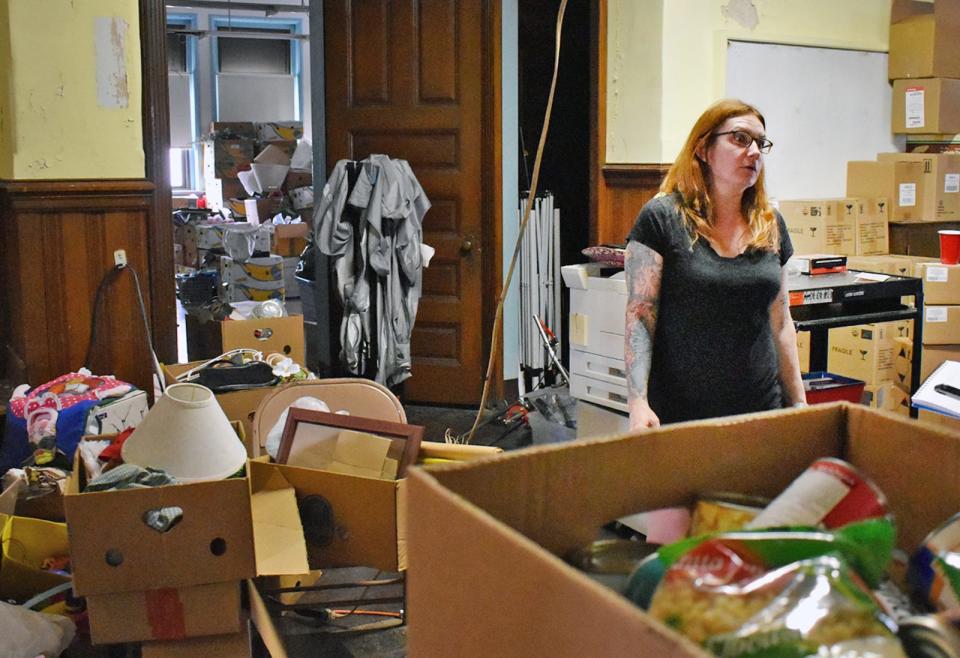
(743, 139)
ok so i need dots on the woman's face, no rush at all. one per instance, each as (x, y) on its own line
(733, 167)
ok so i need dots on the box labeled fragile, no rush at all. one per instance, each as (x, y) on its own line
(941, 325)
(516, 515)
(901, 182)
(819, 226)
(867, 351)
(941, 186)
(873, 226)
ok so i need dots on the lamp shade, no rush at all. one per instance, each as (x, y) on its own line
(187, 435)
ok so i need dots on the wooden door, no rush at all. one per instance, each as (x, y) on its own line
(406, 78)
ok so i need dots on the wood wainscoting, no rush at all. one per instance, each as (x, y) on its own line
(58, 244)
(623, 190)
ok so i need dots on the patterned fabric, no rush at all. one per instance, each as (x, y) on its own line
(604, 254)
(130, 476)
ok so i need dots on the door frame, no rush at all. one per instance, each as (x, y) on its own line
(156, 122)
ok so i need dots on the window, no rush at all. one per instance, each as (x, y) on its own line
(180, 168)
(246, 55)
(257, 76)
(181, 78)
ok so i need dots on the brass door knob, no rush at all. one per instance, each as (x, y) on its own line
(466, 246)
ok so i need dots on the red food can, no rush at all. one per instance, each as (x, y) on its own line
(830, 493)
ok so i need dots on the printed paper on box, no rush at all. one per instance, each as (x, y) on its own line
(937, 274)
(936, 314)
(908, 194)
(951, 183)
(914, 107)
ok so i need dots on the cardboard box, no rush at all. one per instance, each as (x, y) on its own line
(901, 182)
(866, 352)
(256, 279)
(931, 357)
(262, 209)
(873, 226)
(803, 350)
(941, 283)
(279, 131)
(213, 236)
(508, 520)
(821, 225)
(941, 420)
(268, 335)
(225, 158)
(290, 239)
(235, 645)
(941, 185)
(298, 178)
(291, 289)
(230, 530)
(165, 614)
(941, 325)
(924, 40)
(887, 397)
(234, 130)
(24, 544)
(819, 263)
(926, 105)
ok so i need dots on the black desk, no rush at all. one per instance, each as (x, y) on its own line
(824, 301)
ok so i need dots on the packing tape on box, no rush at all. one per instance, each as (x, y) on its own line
(165, 614)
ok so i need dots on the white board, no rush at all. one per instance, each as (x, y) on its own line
(823, 107)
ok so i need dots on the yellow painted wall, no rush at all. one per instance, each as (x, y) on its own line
(692, 62)
(55, 123)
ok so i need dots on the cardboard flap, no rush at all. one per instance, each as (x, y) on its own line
(277, 533)
(903, 9)
(8, 499)
(260, 617)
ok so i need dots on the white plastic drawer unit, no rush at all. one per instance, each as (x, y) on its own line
(598, 307)
(596, 366)
(605, 394)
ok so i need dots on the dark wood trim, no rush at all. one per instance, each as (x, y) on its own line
(634, 175)
(60, 195)
(493, 185)
(156, 146)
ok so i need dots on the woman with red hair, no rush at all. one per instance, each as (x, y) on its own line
(708, 327)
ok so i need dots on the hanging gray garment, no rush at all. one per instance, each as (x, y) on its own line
(397, 257)
(334, 237)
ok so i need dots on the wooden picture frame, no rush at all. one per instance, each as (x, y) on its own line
(406, 437)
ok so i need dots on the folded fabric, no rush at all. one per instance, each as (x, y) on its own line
(130, 476)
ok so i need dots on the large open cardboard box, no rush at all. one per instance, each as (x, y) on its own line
(485, 538)
(166, 584)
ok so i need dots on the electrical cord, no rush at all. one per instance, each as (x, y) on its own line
(494, 342)
(107, 279)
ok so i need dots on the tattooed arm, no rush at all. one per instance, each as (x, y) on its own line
(785, 339)
(644, 268)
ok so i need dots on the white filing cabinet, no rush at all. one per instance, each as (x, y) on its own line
(598, 307)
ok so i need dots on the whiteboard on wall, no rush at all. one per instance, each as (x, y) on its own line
(823, 107)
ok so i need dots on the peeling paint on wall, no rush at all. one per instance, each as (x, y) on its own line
(743, 12)
(110, 35)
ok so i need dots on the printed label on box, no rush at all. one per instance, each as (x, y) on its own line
(908, 194)
(951, 183)
(936, 314)
(937, 274)
(914, 111)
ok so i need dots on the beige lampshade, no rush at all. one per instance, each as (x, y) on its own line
(187, 435)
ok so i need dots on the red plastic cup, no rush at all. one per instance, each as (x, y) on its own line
(949, 247)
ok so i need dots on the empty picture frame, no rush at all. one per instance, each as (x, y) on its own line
(310, 438)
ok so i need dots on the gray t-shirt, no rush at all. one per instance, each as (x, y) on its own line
(714, 352)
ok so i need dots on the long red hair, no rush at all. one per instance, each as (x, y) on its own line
(689, 177)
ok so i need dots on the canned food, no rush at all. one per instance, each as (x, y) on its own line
(931, 636)
(933, 564)
(831, 493)
(611, 561)
(723, 512)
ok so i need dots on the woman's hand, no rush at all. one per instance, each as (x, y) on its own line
(641, 415)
